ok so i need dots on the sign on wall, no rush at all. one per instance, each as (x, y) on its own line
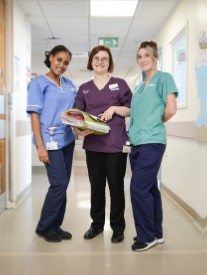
(111, 42)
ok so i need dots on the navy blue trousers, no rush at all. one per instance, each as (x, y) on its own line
(58, 172)
(109, 167)
(146, 199)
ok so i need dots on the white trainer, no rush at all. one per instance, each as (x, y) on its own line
(160, 240)
(140, 246)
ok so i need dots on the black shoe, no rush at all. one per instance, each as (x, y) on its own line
(52, 236)
(39, 233)
(64, 234)
(117, 237)
(142, 246)
(92, 233)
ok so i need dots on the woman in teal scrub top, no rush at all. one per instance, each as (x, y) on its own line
(153, 103)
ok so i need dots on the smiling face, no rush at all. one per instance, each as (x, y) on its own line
(100, 62)
(59, 63)
(147, 59)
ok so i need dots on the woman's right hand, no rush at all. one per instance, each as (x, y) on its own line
(43, 155)
(83, 133)
(42, 152)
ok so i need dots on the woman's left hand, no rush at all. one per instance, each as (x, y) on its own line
(108, 114)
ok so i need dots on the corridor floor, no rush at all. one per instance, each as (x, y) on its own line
(23, 252)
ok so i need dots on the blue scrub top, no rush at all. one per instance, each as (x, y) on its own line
(49, 100)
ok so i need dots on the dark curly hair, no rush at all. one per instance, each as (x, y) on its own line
(56, 49)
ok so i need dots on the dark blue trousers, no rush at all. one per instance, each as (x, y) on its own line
(58, 172)
(146, 200)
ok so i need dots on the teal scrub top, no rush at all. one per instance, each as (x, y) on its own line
(147, 109)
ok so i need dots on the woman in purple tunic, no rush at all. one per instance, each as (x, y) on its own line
(109, 98)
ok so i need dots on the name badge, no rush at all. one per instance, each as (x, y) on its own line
(52, 145)
(114, 87)
(126, 149)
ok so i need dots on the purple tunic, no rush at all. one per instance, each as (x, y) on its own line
(94, 101)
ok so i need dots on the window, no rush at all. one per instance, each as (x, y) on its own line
(179, 45)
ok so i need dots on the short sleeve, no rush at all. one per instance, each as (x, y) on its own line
(125, 94)
(168, 86)
(34, 97)
(80, 101)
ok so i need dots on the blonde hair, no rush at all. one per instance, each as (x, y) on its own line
(150, 44)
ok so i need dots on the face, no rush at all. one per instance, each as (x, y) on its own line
(146, 59)
(59, 62)
(100, 62)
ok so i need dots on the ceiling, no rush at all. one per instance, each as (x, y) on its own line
(69, 23)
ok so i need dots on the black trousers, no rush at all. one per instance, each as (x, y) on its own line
(110, 167)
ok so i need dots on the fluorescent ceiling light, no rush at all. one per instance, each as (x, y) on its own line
(113, 8)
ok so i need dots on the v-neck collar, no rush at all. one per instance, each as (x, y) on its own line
(104, 85)
(59, 86)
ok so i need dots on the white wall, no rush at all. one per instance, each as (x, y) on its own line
(184, 172)
(184, 167)
(187, 15)
(19, 53)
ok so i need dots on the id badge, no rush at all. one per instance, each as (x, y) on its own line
(52, 145)
(126, 149)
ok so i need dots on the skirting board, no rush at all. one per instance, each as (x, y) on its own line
(2, 202)
(199, 222)
(20, 198)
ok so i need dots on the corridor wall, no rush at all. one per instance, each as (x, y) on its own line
(184, 173)
(18, 59)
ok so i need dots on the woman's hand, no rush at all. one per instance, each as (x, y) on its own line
(83, 133)
(118, 110)
(108, 114)
(171, 107)
(42, 152)
(43, 155)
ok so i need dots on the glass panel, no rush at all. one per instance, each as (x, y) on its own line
(179, 46)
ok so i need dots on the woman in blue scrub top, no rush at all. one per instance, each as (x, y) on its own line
(153, 103)
(48, 96)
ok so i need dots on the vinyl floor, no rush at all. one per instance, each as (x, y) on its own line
(22, 252)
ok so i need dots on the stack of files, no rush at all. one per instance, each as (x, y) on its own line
(85, 121)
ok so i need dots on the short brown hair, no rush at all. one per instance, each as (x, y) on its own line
(151, 44)
(97, 49)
